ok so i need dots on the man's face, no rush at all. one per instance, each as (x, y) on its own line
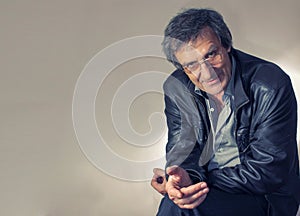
(206, 62)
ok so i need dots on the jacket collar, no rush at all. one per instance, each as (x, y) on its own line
(241, 97)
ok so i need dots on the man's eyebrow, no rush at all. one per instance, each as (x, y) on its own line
(191, 62)
(212, 47)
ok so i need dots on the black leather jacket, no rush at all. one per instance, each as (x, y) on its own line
(265, 133)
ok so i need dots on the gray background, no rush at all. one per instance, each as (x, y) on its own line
(44, 47)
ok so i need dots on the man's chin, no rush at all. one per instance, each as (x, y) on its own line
(213, 89)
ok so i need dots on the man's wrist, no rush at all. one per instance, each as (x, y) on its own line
(194, 176)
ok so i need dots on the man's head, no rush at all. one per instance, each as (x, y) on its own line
(198, 41)
(187, 26)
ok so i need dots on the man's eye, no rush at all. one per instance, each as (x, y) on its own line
(211, 54)
(192, 66)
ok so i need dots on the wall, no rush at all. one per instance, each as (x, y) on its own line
(46, 168)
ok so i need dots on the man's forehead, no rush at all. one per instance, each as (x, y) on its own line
(198, 49)
(187, 50)
(187, 54)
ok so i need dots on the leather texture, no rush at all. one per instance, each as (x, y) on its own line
(266, 125)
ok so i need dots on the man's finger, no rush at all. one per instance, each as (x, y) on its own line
(174, 193)
(194, 204)
(159, 172)
(173, 170)
(194, 197)
(190, 190)
(160, 187)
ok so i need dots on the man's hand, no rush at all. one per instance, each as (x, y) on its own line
(181, 190)
(159, 181)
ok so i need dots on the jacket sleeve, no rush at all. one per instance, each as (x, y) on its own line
(182, 148)
(271, 155)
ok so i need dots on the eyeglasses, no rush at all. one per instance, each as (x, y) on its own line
(213, 58)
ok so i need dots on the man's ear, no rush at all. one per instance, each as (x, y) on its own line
(229, 49)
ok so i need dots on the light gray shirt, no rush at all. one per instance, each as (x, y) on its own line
(226, 152)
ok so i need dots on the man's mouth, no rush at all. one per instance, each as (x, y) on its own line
(212, 81)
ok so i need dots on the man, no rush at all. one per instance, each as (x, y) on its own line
(232, 122)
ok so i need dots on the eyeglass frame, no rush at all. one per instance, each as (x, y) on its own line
(215, 53)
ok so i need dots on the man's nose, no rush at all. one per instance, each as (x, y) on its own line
(197, 73)
(206, 71)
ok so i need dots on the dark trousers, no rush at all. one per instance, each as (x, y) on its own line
(219, 203)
